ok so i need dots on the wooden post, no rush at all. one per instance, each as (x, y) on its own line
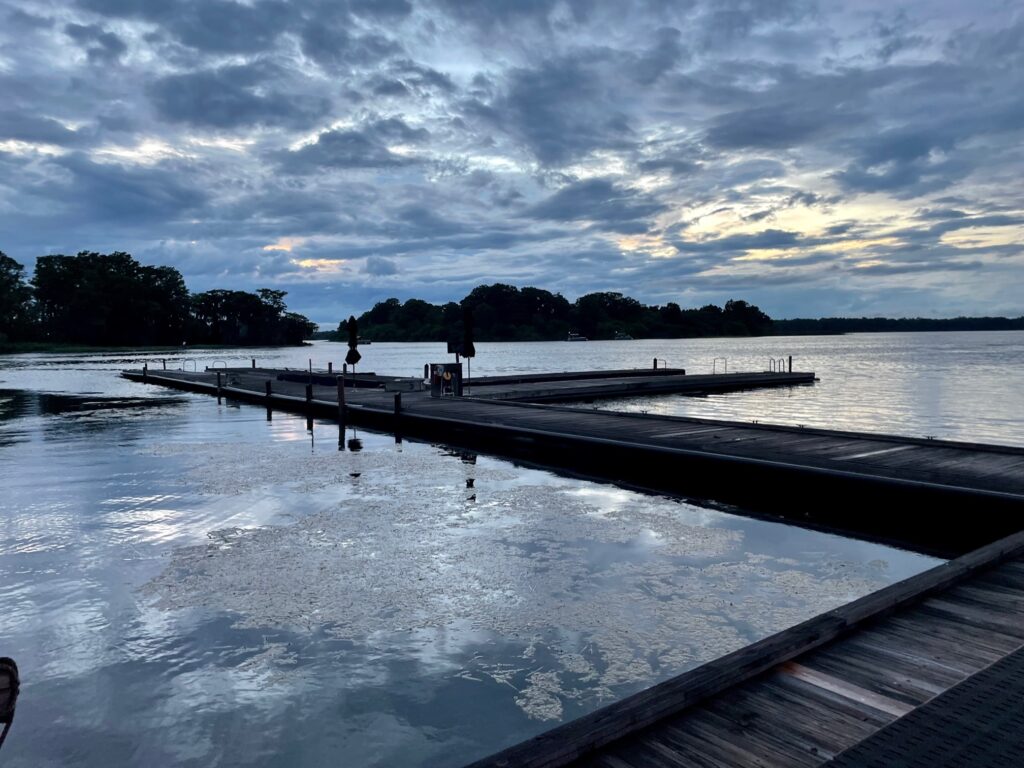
(330, 366)
(145, 371)
(266, 388)
(254, 363)
(426, 371)
(344, 373)
(790, 363)
(218, 384)
(655, 363)
(341, 402)
(165, 363)
(309, 394)
(311, 365)
(398, 403)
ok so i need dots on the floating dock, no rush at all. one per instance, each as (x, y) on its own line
(877, 487)
(927, 672)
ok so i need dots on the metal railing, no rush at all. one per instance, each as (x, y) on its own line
(725, 365)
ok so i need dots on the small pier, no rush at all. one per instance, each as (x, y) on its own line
(878, 487)
(927, 672)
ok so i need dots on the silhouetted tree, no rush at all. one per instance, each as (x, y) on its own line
(15, 301)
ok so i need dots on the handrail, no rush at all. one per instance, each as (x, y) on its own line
(725, 365)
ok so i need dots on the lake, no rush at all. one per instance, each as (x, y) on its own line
(186, 583)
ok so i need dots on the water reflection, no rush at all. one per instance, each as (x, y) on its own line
(226, 589)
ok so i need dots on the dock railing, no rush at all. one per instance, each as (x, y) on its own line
(725, 365)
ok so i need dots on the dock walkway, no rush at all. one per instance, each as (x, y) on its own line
(911, 675)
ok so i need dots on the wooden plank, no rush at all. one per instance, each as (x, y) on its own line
(983, 619)
(847, 689)
(877, 452)
(764, 739)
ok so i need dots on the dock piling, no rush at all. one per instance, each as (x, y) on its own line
(164, 361)
(341, 400)
(330, 366)
(790, 363)
(254, 363)
(309, 395)
(145, 372)
(398, 403)
(218, 384)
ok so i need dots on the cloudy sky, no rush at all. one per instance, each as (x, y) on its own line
(812, 157)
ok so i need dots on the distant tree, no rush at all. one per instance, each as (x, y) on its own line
(111, 299)
(15, 301)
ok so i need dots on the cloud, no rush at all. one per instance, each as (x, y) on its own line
(364, 147)
(35, 129)
(380, 267)
(233, 96)
(101, 46)
(794, 152)
(602, 202)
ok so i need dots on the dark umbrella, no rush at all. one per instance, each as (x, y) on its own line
(353, 355)
(468, 348)
(8, 695)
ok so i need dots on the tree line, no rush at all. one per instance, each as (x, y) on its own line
(507, 313)
(836, 325)
(97, 299)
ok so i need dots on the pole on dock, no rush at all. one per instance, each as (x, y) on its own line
(655, 363)
(309, 395)
(344, 372)
(330, 366)
(341, 402)
(254, 363)
(145, 371)
(398, 403)
(790, 363)
(266, 389)
(311, 365)
(165, 363)
(218, 384)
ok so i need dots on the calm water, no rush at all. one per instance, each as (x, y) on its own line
(185, 583)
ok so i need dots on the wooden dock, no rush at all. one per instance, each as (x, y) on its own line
(878, 487)
(867, 684)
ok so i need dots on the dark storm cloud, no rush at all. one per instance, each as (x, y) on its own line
(101, 46)
(601, 201)
(765, 239)
(110, 193)
(232, 96)
(35, 128)
(379, 266)
(365, 147)
(207, 25)
(568, 106)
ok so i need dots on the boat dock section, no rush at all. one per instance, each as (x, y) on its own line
(633, 385)
(927, 672)
(884, 488)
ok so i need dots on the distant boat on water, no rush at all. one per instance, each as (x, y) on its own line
(576, 337)
(622, 336)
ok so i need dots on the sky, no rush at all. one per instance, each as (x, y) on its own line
(814, 158)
